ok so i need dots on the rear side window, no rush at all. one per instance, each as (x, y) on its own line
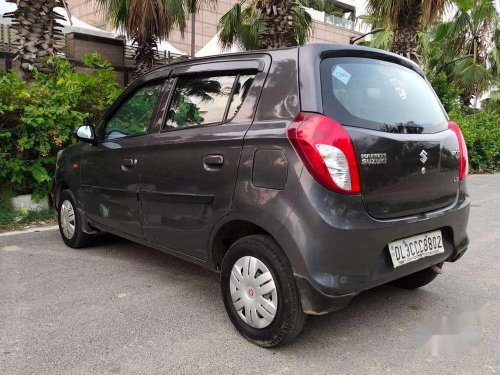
(206, 100)
(379, 95)
(240, 92)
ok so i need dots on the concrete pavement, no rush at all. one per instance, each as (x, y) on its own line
(122, 308)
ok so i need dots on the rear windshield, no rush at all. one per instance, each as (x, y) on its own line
(379, 95)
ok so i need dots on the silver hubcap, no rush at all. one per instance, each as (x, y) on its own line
(67, 219)
(253, 292)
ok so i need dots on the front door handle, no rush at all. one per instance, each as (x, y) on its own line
(128, 162)
(213, 160)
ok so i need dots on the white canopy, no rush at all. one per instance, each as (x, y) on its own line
(162, 45)
(316, 15)
(166, 46)
(214, 47)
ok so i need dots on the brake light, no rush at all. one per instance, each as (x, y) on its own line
(462, 149)
(326, 151)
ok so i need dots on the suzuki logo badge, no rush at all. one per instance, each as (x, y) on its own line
(423, 156)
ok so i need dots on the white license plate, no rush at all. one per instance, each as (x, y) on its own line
(412, 248)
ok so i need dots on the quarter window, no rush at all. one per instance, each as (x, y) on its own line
(133, 117)
(206, 100)
(240, 92)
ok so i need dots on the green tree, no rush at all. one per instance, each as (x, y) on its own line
(146, 22)
(403, 21)
(37, 32)
(467, 48)
(263, 24)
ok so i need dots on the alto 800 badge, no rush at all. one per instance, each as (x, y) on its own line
(370, 159)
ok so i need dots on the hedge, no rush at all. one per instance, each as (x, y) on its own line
(38, 118)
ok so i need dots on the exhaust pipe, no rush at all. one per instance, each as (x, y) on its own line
(437, 269)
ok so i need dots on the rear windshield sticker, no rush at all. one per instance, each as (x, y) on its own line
(341, 74)
(398, 86)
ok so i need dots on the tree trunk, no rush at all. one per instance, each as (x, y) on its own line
(37, 31)
(406, 34)
(278, 24)
(145, 54)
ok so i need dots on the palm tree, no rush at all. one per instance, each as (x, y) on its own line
(403, 20)
(467, 48)
(263, 24)
(148, 21)
(37, 31)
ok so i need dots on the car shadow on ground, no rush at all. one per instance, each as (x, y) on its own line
(381, 309)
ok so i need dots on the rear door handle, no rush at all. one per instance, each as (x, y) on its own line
(213, 160)
(129, 163)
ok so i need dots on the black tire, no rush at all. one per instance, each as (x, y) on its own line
(79, 238)
(289, 319)
(417, 279)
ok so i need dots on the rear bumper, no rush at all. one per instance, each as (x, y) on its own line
(315, 302)
(337, 250)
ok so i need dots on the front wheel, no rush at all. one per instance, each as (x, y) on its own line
(260, 293)
(70, 224)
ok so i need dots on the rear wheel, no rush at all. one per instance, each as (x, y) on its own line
(260, 293)
(70, 224)
(417, 279)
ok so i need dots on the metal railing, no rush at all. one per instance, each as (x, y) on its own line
(5, 39)
(356, 25)
(162, 57)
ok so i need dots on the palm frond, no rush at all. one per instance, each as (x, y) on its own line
(494, 61)
(249, 23)
(230, 26)
(464, 5)
(432, 10)
(386, 11)
(461, 24)
(470, 75)
(382, 40)
(441, 31)
(302, 21)
(483, 9)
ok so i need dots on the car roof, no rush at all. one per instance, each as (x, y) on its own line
(311, 48)
(308, 53)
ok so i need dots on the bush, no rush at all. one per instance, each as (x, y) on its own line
(481, 130)
(447, 93)
(37, 118)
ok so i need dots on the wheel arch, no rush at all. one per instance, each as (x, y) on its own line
(227, 234)
(59, 188)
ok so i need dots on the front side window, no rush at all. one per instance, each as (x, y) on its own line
(379, 95)
(134, 115)
(206, 100)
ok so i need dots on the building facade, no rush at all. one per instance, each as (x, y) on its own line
(326, 29)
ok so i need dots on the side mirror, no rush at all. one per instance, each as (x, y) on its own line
(85, 133)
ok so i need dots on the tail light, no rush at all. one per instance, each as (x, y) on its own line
(326, 151)
(462, 149)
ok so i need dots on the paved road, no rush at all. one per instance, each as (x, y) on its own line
(121, 308)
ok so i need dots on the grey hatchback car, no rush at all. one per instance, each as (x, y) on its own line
(303, 175)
